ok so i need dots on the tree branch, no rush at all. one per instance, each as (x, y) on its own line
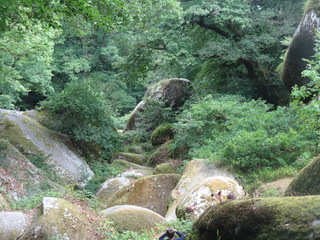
(200, 21)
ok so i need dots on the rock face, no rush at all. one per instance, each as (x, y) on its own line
(59, 218)
(261, 219)
(132, 218)
(150, 192)
(174, 92)
(12, 225)
(18, 175)
(307, 182)
(199, 179)
(301, 48)
(31, 138)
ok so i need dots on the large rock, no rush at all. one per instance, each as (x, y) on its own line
(12, 225)
(301, 47)
(199, 179)
(307, 182)
(111, 186)
(150, 192)
(132, 218)
(131, 157)
(132, 168)
(18, 176)
(59, 218)
(199, 198)
(261, 219)
(174, 92)
(32, 138)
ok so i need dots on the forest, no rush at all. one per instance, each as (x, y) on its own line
(85, 65)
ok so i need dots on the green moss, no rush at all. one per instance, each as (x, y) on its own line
(165, 168)
(134, 219)
(307, 182)
(160, 155)
(261, 219)
(162, 134)
(312, 4)
(62, 218)
(12, 132)
(131, 157)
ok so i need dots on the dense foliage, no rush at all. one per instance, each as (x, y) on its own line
(80, 112)
(245, 135)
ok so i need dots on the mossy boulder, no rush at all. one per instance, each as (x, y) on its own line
(131, 157)
(260, 219)
(199, 198)
(18, 176)
(12, 225)
(160, 155)
(132, 218)
(111, 186)
(150, 192)
(132, 167)
(307, 182)
(31, 139)
(162, 134)
(165, 168)
(195, 176)
(301, 46)
(59, 217)
(173, 91)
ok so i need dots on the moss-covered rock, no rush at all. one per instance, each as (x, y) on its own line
(196, 178)
(160, 155)
(18, 176)
(131, 157)
(150, 192)
(12, 225)
(260, 219)
(59, 217)
(162, 134)
(174, 92)
(111, 186)
(129, 166)
(301, 46)
(31, 139)
(165, 168)
(307, 182)
(132, 218)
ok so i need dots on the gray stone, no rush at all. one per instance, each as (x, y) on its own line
(12, 225)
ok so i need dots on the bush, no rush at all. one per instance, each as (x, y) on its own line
(80, 112)
(242, 134)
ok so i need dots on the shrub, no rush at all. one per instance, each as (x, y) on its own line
(243, 134)
(80, 111)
